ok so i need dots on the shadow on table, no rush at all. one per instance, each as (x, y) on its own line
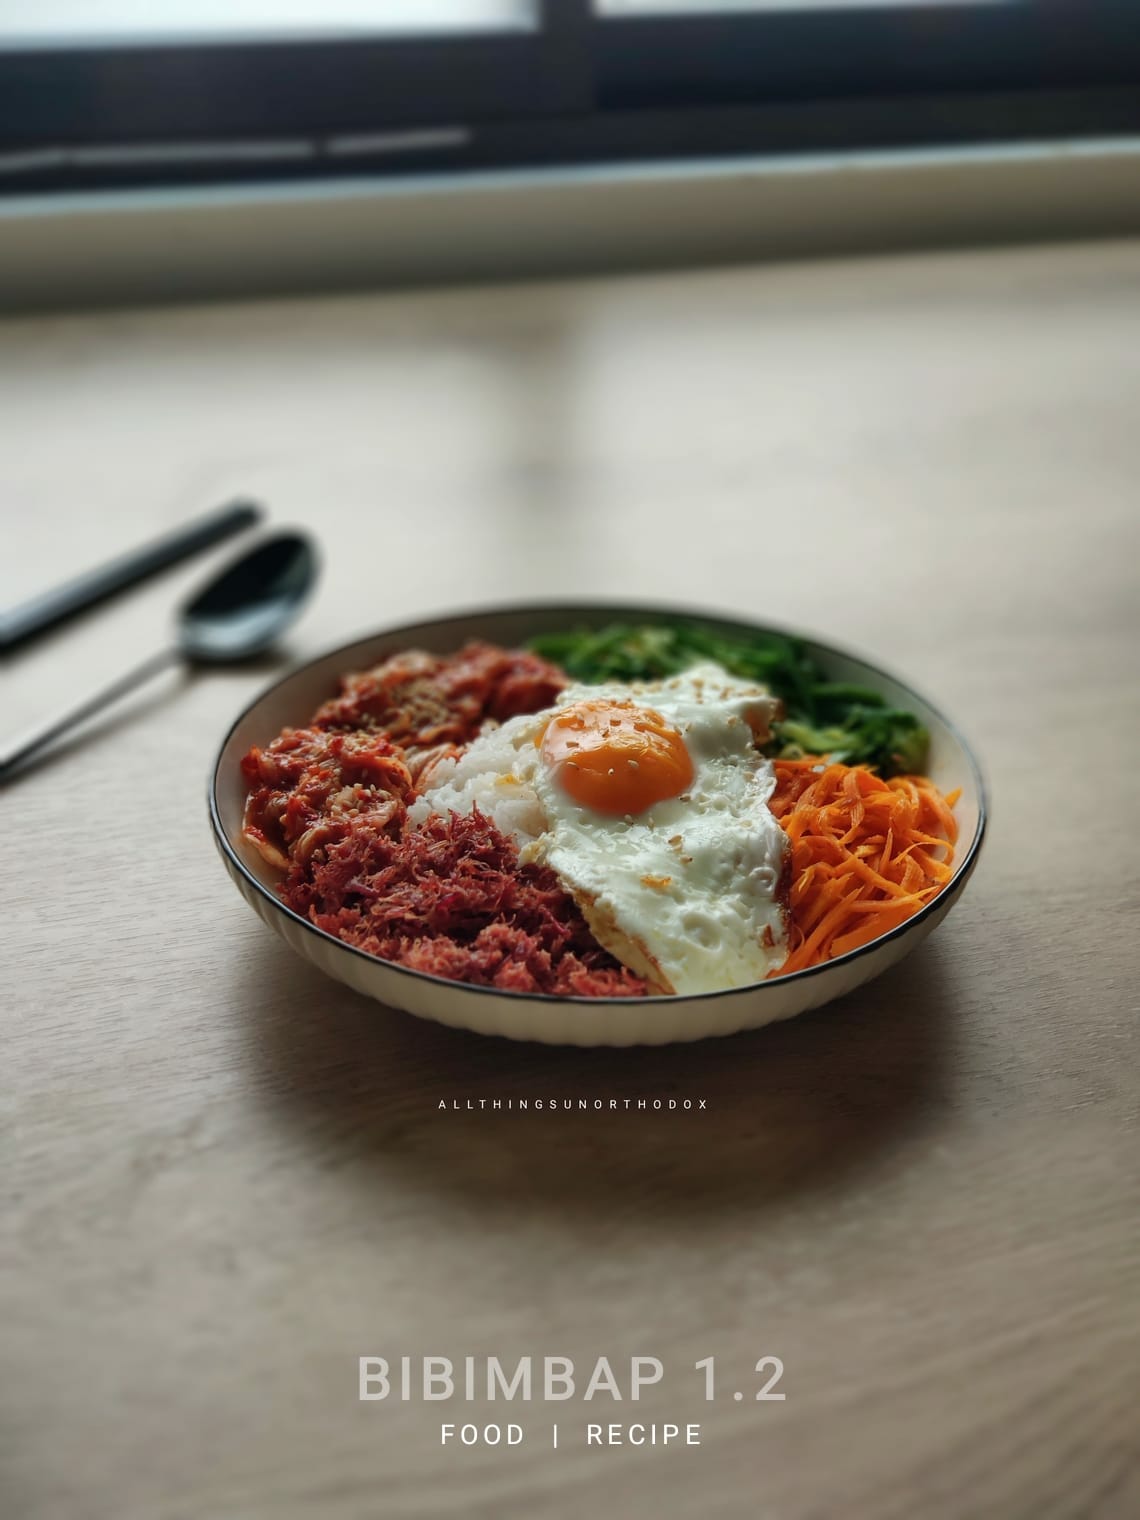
(793, 1106)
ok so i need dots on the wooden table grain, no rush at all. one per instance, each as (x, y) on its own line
(225, 1178)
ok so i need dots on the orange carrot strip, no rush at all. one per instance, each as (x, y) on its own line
(866, 854)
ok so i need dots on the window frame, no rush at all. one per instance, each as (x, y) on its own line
(578, 88)
(179, 91)
(651, 61)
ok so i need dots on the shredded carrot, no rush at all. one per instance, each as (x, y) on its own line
(866, 853)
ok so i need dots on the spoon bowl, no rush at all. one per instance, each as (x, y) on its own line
(251, 603)
(239, 614)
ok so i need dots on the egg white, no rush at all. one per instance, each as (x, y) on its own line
(688, 893)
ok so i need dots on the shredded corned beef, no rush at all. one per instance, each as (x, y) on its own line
(328, 804)
(452, 899)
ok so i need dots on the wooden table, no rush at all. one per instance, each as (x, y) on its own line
(226, 1178)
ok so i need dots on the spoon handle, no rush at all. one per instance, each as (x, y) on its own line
(44, 736)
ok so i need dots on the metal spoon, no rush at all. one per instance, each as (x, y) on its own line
(237, 615)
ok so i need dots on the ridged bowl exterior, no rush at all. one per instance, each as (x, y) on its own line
(569, 1021)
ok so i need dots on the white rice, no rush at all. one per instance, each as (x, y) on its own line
(491, 775)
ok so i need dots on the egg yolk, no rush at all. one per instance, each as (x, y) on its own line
(615, 757)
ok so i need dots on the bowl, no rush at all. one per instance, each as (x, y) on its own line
(560, 1020)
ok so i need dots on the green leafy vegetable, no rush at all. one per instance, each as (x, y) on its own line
(850, 723)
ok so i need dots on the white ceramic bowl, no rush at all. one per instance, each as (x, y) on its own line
(557, 1020)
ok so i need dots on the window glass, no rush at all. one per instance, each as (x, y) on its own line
(70, 21)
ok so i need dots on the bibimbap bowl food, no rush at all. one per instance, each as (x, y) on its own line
(595, 824)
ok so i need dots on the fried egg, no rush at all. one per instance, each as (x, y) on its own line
(650, 802)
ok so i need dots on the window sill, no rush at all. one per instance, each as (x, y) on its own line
(129, 247)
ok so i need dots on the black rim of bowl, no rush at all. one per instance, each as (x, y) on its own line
(616, 611)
